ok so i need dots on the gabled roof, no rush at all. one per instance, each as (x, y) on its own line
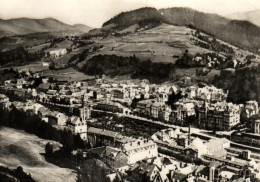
(98, 150)
(74, 119)
(112, 152)
(109, 133)
(95, 130)
(51, 92)
(42, 109)
(179, 176)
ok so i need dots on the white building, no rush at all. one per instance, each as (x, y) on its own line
(139, 149)
(77, 126)
(55, 52)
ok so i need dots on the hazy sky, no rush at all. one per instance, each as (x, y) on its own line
(95, 12)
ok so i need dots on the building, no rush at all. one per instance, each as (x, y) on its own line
(114, 157)
(84, 112)
(43, 113)
(251, 108)
(139, 150)
(255, 124)
(44, 63)
(55, 52)
(78, 126)
(57, 118)
(211, 93)
(219, 116)
(109, 106)
(4, 101)
(100, 137)
(182, 111)
(129, 153)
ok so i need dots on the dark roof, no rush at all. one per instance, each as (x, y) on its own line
(166, 161)
(179, 176)
(97, 151)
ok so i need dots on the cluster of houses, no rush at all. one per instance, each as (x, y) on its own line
(206, 103)
(76, 123)
(217, 152)
(55, 52)
(154, 158)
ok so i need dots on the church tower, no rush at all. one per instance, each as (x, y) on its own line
(85, 108)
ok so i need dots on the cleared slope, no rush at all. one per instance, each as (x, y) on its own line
(158, 44)
(236, 32)
(18, 148)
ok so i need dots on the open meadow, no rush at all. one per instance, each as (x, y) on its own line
(18, 148)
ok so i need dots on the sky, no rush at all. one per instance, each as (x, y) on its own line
(95, 12)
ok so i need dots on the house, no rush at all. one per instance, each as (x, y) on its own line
(21, 81)
(4, 101)
(55, 52)
(45, 80)
(43, 113)
(97, 136)
(114, 157)
(219, 116)
(182, 111)
(109, 106)
(44, 63)
(255, 126)
(143, 107)
(57, 118)
(251, 108)
(7, 82)
(139, 149)
(77, 126)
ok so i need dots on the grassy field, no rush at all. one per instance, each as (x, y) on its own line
(158, 44)
(69, 74)
(18, 148)
(35, 67)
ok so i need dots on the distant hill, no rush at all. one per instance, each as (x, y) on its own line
(251, 16)
(21, 26)
(239, 33)
(82, 27)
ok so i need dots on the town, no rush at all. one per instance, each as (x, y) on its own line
(180, 131)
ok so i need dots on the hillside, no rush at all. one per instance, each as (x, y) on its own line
(251, 16)
(21, 26)
(82, 27)
(239, 33)
(162, 45)
(19, 148)
(142, 17)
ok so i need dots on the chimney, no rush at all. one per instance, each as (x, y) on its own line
(189, 137)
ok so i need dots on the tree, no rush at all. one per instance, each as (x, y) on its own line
(48, 149)
(19, 172)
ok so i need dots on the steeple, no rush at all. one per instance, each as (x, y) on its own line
(84, 107)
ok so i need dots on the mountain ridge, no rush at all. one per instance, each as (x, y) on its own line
(251, 16)
(23, 25)
(240, 33)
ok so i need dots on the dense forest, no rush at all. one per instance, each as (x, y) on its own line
(20, 55)
(142, 17)
(243, 85)
(117, 65)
